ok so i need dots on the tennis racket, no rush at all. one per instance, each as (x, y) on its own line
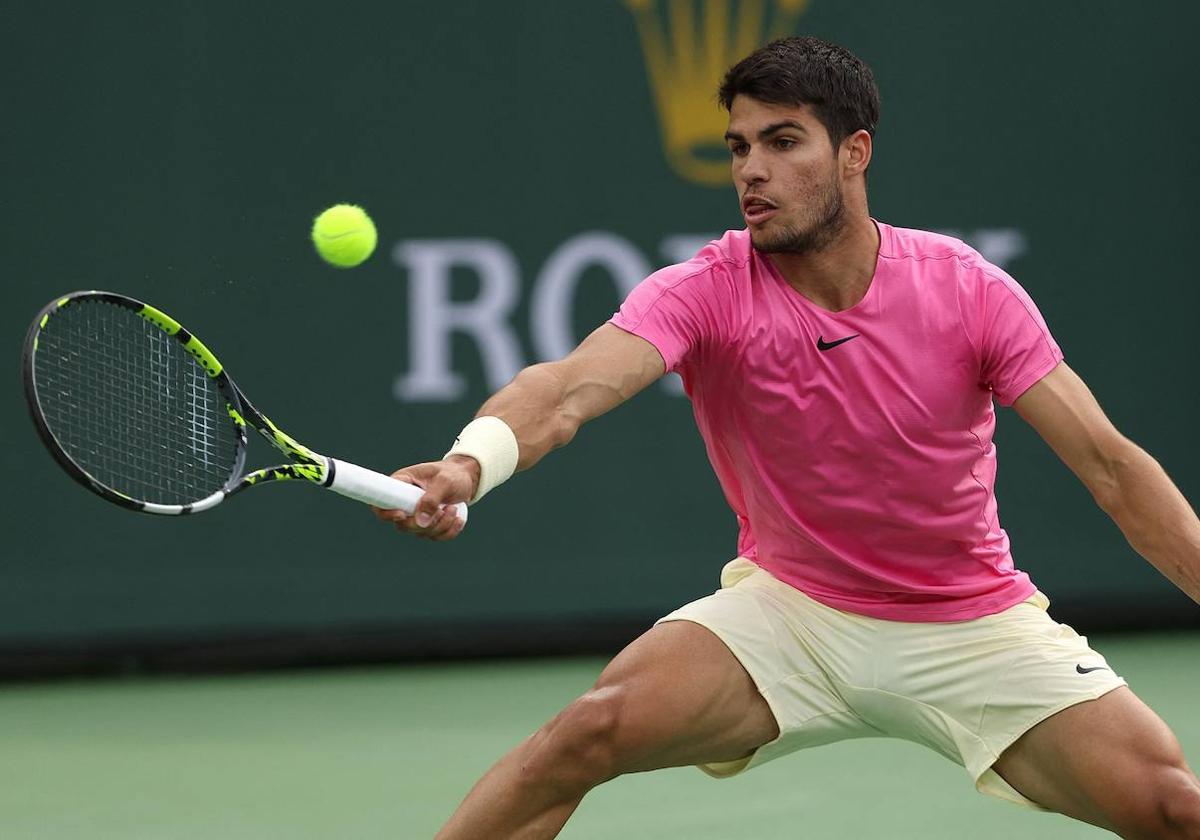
(136, 409)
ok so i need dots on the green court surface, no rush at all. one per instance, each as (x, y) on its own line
(387, 753)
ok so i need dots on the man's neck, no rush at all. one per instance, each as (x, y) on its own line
(836, 277)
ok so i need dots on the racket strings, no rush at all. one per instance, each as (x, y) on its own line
(131, 407)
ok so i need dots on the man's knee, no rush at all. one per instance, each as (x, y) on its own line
(1177, 796)
(578, 748)
(1165, 804)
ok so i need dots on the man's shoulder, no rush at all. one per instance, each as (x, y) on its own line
(912, 244)
(731, 250)
(937, 259)
(718, 261)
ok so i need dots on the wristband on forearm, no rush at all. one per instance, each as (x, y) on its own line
(492, 443)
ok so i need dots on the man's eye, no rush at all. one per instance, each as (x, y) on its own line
(738, 149)
(784, 143)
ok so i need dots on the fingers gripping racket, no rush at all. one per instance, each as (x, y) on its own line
(135, 408)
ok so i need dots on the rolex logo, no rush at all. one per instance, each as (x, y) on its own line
(688, 46)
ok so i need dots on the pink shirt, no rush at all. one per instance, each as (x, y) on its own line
(863, 474)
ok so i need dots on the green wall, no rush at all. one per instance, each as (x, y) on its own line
(177, 152)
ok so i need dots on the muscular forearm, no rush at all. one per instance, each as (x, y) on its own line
(1155, 517)
(532, 406)
(544, 406)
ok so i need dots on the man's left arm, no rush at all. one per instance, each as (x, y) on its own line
(1127, 483)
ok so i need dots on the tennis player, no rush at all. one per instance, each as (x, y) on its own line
(843, 374)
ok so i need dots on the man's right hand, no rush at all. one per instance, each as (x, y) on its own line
(445, 483)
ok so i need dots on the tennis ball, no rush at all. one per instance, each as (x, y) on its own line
(344, 235)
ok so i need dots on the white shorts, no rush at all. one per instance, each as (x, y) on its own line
(967, 689)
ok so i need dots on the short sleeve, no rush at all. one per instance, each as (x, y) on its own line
(675, 310)
(1015, 345)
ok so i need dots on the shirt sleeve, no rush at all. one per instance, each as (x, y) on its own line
(675, 310)
(1015, 345)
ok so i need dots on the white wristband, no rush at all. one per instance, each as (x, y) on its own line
(492, 443)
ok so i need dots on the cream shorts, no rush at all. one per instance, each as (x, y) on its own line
(967, 689)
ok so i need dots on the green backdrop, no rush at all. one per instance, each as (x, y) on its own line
(178, 151)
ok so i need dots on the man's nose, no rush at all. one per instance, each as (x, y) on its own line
(753, 169)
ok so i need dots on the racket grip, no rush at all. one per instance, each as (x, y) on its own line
(377, 489)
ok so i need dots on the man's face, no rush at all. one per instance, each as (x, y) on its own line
(786, 174)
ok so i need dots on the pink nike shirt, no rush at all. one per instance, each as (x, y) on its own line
(855, 447)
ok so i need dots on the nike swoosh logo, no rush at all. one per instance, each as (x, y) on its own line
(824, 345)
(1082, 670)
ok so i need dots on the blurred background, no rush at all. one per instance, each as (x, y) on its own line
(526, 164)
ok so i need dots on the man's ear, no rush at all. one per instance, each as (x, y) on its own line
(856, 153)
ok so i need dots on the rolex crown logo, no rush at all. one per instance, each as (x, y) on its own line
(688, 46)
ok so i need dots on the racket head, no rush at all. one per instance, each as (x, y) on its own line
(131, 405)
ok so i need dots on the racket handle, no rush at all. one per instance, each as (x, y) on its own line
(377, 489)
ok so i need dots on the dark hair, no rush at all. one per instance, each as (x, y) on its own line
(835, 83)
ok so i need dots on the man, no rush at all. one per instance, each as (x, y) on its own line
(842, 373)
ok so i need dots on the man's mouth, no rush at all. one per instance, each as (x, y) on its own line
(757, 209)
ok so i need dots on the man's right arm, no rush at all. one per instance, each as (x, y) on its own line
(544, 405)
(547, 403)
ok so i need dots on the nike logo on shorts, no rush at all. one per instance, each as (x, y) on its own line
(1080, 669)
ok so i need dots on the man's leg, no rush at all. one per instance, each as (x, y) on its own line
(1111, 762)
(675, 696)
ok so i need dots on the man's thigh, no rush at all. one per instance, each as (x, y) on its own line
(681, 697)
(1111, 762)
